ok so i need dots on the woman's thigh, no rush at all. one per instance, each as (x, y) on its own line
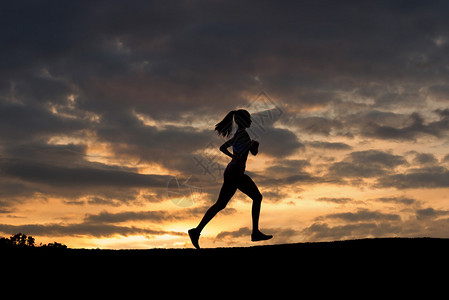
(226, 192)
(248, 187)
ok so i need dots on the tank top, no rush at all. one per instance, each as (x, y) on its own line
(240, 149)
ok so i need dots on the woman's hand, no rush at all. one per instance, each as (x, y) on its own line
(254, 148)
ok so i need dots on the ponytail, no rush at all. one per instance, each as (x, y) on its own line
(224, 128)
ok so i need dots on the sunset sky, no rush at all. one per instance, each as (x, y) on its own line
(107, 111)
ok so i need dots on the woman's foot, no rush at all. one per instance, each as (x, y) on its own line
(194, 237)
(259, 236)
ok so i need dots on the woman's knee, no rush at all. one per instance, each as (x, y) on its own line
(258, 198)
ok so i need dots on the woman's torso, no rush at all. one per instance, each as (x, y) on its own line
(240, 149)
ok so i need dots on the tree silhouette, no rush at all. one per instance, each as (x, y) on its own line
(30, 241)
(22, 240)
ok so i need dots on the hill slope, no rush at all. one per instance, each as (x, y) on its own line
(398, 250)
(370, 264)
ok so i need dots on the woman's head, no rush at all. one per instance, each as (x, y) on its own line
(241, 117)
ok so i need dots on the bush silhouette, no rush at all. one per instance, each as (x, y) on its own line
(55, 245)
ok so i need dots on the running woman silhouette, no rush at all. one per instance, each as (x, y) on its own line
(234, 174)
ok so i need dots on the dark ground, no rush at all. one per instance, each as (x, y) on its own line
(366, 263)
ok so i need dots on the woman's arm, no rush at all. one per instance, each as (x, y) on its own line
(225, 146)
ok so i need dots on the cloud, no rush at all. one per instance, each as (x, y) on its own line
(300, 177)
(244, 231)
(439, 92)
(425, 159)
(81, 176)
(362, 223)
(446, 158)
(14, 192)
(158, 216)
(398, 200)
(341, 200)
(424, 222)
(106, 217)
(165, 68)
(416, 129)
(273, 194)
(27, 179)
(275, 141)
(363, 216)
(282, 235)
(430, 213)
(329, 145)
(326, 232)
(288, 166)
(278, 142)
(172, 146)
(83, 229)
(288, 172)
(366, 164)
(24, 122)
(383, 166)
(47, 153)
(427, 177)
(315, 125)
